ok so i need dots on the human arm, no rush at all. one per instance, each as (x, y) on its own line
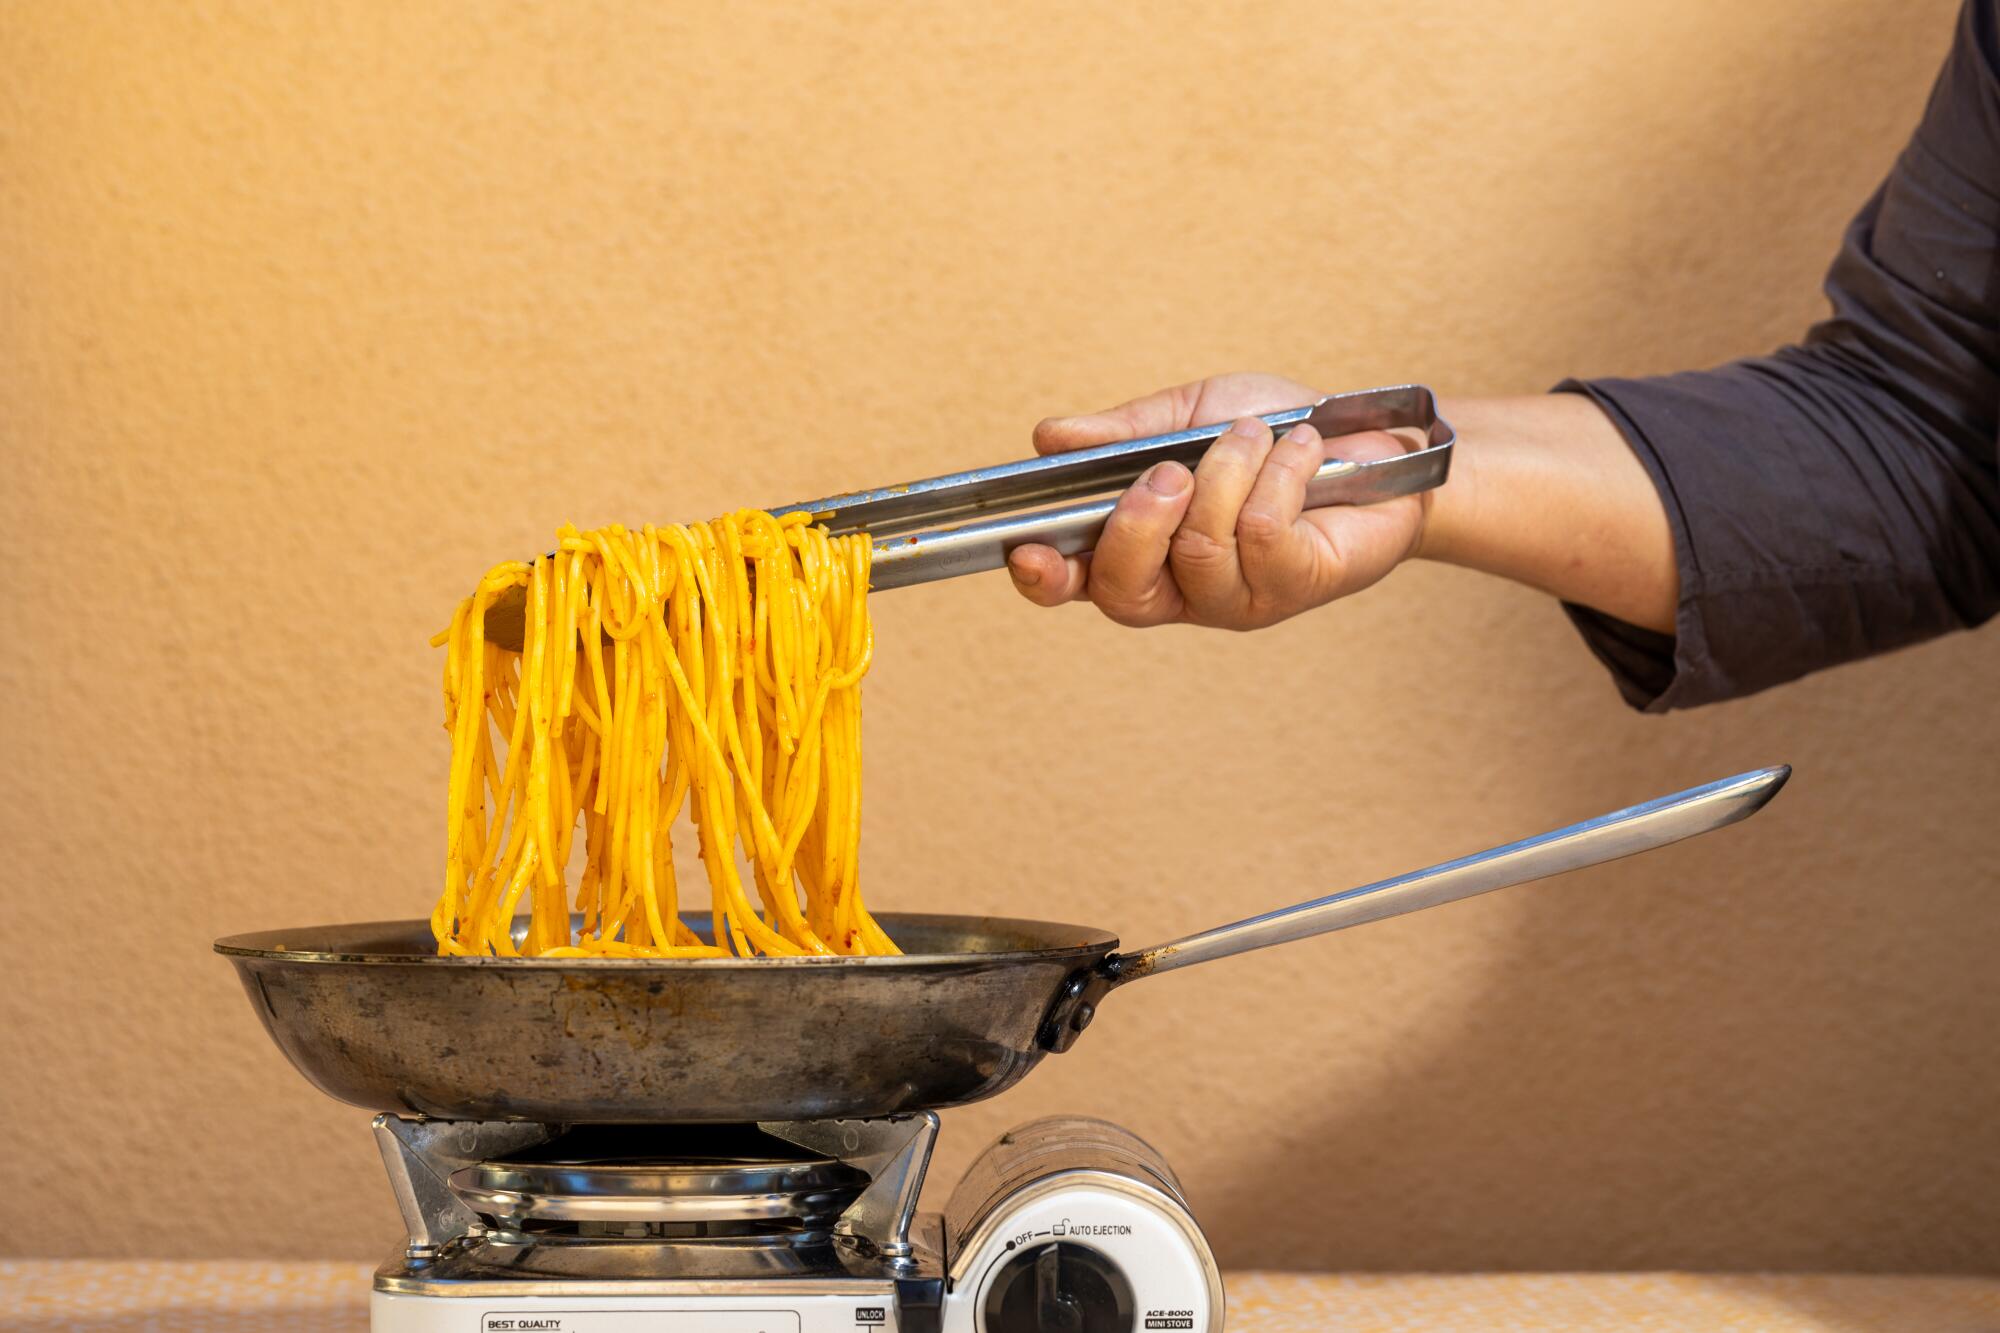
(1834, 500)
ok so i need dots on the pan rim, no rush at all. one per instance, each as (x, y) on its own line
(1093, 943)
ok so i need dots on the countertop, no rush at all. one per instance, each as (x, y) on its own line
(38, 1294)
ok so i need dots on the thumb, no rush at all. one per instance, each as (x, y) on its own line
(1154, 414)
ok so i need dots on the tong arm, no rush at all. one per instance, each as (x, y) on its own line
(889, 510)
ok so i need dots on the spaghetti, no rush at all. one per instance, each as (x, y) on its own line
(715, 666)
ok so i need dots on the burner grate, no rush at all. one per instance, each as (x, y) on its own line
(721, 1184)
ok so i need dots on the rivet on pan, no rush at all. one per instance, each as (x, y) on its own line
(1084, 1013)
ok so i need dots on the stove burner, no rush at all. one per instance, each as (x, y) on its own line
(607, 1183)
(540, 1209)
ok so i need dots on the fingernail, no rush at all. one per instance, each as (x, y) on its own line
(1301, 434)
(1025, 575)
(1167, 479)
(1247, 428)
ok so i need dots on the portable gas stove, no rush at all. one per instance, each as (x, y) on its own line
(736, 1145)
(785, 1227)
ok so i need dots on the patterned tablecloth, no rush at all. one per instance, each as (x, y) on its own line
(66, 1294)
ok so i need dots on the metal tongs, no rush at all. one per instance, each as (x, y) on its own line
(933, 529)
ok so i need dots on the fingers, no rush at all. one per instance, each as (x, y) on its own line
(1277, 552)
(1364, 542)
(1154, 414)
(1129, 578)
(1127, 575)
(1366, 446)
(1341, 521)
(1204, 550)
(1047, 578)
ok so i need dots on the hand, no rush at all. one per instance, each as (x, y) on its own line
(1230, 546)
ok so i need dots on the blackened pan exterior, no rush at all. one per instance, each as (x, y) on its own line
(373, 1017)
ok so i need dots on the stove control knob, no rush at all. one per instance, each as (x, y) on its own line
(1060, 1287)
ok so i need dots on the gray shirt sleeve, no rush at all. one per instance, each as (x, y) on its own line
(1838, 498)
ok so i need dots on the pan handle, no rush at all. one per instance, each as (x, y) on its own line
(1606, 838)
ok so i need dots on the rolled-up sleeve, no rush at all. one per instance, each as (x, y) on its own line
(1838, 499)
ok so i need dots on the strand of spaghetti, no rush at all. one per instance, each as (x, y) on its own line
(679, 777)
(779, 613)
(645, 812)
(464, 756)
(744, 725)
(477, 882)
(764, 845)
(727, 569)
(593, 649)
(718, 840)
(535, 687)
(608, 553)
(551, 898)
(499, 937)
(647, 739)
(573, 588)
(615, 889)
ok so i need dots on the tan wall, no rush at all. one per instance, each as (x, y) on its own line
(312, 311)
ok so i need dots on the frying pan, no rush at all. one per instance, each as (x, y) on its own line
(371, 1015)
